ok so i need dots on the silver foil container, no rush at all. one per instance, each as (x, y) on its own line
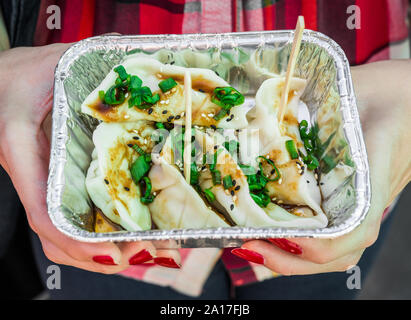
(329, 96)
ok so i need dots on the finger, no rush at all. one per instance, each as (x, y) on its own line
(138, 252)
(288, 264)
(56, 255)
(326, 250)
(168, 254)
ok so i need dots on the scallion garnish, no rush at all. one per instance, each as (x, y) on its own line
(227, 182)
(209, 195)
(135, 83)
(226, 98)
(276, 171)
(115, 95)
(122, 74)
(139, 150)
(139, 168)
(194, 174)
(290, 145)
(160, 125)
(262, 199)
(167, 84)
(145, 185)
(216, 177)
(311, 161)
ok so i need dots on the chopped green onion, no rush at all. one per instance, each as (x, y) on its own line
(167, 84)
(227, 182)
(139, 168)
(226, 98)
(308, 145)
(138, 149)
(121, 72)
(160, 125)
(135, 83)
(304, 132)
(311, 161)
(194, 174)
(262, 199)
(115, 95)
(101, 95)
(145, 184)
(214, 163)
(256, 187)
(221, 114)
(270, 162)
(216, 176)
(290, 145)
(143, 98)
(247, 170)
(209, 195)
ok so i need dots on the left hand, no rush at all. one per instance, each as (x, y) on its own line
(385, 108)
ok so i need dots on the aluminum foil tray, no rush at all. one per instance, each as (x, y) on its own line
(329, 96)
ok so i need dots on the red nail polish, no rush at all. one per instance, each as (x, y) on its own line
(104, 260)
(287, 245)
(166, 262)
(248, 255)
(140, 257)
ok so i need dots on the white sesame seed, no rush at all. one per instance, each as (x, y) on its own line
(234, 198)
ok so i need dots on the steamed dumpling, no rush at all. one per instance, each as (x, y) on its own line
(109, 182)
(177, 204)
(171, 103)
(237, 201)
(298, 185)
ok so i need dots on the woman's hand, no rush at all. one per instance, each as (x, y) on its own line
(384, 103)
(26, 97)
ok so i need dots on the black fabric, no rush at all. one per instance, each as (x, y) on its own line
(20, 17)
(9, 211)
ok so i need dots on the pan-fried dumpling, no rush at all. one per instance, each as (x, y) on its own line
(237, 201)
(170, 106)
(109, 182)
(297, 185)
(177, 204)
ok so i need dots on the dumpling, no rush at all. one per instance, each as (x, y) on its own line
(109, 182)
(297, 186)
(170, 107)
(177, 204)
(237, 200)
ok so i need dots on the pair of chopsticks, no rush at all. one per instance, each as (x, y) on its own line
(283, 102)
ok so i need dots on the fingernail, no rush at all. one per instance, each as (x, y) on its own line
(248, 255)
(287, 245)
(166, 262)
(104, 260)
(140, 257)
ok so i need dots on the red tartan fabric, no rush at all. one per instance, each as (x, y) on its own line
(382, 23)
